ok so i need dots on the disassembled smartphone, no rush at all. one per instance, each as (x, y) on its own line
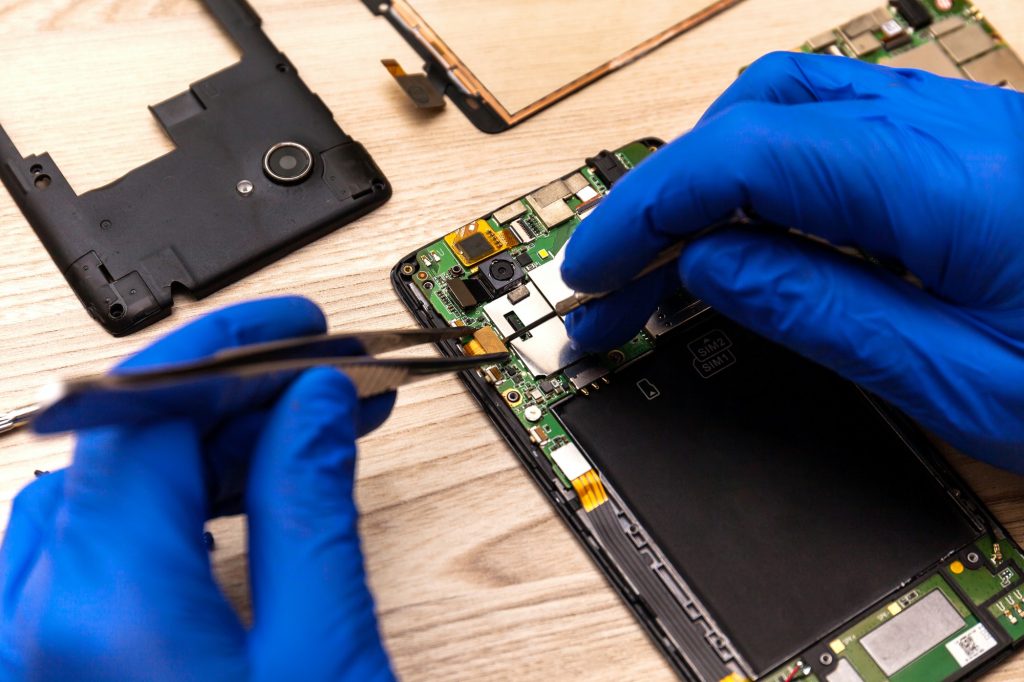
(260, 168)
(950, 38)
(447, 74)
(763, 518)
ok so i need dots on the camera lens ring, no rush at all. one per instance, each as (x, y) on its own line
(502, 270)
(288, 163)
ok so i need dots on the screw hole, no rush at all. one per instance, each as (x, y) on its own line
(283, 68)
(36, 169)
(42, 181)
(105, 224)
(378, 185)
(117, 310)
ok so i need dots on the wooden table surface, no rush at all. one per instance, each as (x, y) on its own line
(474, 575)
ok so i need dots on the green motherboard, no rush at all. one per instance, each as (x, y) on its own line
(949, 38)
(499, 273)
(932, 630)
(528, 239)
(940, 611)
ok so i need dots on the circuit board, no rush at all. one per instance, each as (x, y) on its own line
(949, 38)
(521, 238)
(893, 588)
(931, 631)
(955, 607)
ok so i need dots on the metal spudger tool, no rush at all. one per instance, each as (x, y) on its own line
(669, 255)
(126, 391)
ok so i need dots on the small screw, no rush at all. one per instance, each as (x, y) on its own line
(245, 187)
(972, 557)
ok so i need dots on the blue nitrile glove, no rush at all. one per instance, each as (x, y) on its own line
(922, 170)
(103, 571)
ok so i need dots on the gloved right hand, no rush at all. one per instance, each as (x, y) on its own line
(910, 167)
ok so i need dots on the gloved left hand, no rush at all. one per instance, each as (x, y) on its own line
(103, 572)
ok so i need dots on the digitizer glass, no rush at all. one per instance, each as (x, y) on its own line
(478, 52)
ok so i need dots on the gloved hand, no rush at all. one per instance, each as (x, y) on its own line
(103, 572)
(910, 167)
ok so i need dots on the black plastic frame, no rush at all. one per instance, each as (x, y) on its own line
(205, 214)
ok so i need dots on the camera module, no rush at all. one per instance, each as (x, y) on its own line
(502, 270)
(287, 163)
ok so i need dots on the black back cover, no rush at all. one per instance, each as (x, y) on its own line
(179, 222)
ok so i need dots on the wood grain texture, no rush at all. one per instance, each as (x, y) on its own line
(474, 575)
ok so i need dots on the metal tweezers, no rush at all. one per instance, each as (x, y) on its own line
(353, 353)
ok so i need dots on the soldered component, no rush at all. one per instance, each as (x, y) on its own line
(891, 29)
(463, 294)
(912, 632)
(518, 294)
(533, 413)
(929, 57)
(822, 41)
(866, 23)
(997, 553)
(510, 212)
(865, 44)
(584, 479)
(967, 43)
(538, 435)
(477, 241)
(576, 183)
(947, 25)
(893, 35)
(915, 12)
(492, 374)
(548, 203)
(999, 67)
(536, 395)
